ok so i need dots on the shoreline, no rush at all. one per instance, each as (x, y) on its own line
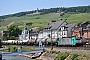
(44, 56)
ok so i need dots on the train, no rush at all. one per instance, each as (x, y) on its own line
(71, 41)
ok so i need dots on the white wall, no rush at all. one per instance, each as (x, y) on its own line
(55, 33)
(63, 32)
(40, 35)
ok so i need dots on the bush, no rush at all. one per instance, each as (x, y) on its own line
(37, 17)
(62, 56)
(12, 49)
(9, 49)
(29, 24)
(73, 56)
(12, 38)
(53, 51)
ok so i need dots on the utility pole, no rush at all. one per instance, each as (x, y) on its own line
(0, 43)
(51, 41)
(0, 56)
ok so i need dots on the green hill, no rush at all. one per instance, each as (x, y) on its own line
(78, 9)
(80, 17)
(43, 20)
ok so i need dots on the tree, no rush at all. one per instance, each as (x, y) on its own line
(13, 30)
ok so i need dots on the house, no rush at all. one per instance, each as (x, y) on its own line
(52, 29)
(67, 30)
(33, 33)
(76, 31)
(82, 30)
(86, 33)
(29, 34)
(4, 35)
(24, 35)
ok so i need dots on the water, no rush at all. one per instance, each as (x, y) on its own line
(15, 58)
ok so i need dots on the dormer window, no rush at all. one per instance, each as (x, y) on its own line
(60, 29)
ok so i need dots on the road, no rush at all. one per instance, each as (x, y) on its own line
(7, 25)
(23, 52)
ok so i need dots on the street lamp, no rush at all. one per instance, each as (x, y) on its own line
(51, 37)
(51, 41)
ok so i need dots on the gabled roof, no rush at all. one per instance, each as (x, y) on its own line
(71, 26)
(55, 25)
(88, 26)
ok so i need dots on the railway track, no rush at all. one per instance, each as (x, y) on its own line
(63, 47)
(84, 47)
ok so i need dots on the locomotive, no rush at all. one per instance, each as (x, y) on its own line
(69, 41)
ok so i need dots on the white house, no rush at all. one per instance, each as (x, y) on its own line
(24, 35)
(66, 30)
(29, 34)
(52, 29)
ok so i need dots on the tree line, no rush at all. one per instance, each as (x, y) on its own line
(79, 9)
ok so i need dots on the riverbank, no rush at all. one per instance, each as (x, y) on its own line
(47, 56)
(40, 56)
(51, 56)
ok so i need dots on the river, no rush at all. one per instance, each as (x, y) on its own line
(15, 58)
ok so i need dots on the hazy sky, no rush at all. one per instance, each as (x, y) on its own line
(14, 6)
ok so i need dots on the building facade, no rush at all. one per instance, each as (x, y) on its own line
(52, 30)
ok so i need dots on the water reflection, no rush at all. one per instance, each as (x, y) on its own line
(15, 58)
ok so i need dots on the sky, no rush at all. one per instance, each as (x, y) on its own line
(15, 6)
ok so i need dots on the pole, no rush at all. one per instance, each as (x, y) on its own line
(0, 43)
(51, 40)
(0, 56)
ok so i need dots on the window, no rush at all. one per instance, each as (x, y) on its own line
(64, 33)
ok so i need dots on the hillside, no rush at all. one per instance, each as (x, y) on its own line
(43, 20)
(78, 9)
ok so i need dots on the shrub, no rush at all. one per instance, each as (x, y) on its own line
(9, 48)
(73, 56)
(53, 51)
(12, 49)
(62, 56)
(12, 37)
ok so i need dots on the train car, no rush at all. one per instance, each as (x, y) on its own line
(31, 42)
(79, 41)
(5, 42)
(66, 41)
(40, 39)
(53, 41)
(12, 42)
(46, 41)
(24, 42)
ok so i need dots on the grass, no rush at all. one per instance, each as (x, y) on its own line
(13, 48)
(64, 55)
(43, 21)
(5, 29)
(81, 17)
(79, 57)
